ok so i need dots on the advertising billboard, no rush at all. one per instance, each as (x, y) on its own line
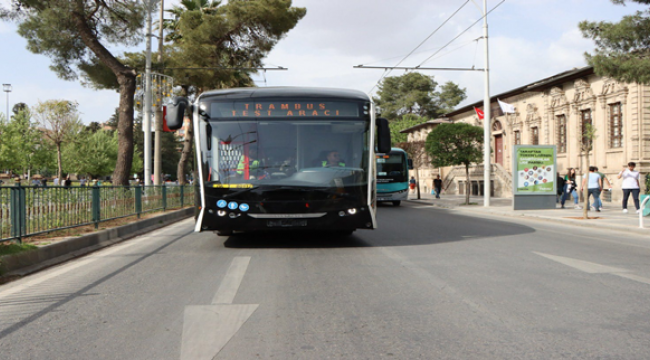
(534, 170)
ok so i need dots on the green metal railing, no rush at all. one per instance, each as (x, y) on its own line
(33, 210)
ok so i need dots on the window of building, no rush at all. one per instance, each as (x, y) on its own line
(517, 137)
(535, 136)
(586, 119)
(615, 126)
(561, 133)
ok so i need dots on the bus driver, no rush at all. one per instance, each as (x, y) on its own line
(333, 160)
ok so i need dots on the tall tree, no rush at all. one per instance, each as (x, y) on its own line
(95, 154)
(59, 120)
(21, 147)
(418, 94)
(399, 124)
(75, 35)
(456, 144)
(623, 48)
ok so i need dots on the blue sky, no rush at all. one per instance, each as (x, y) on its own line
(529, 40)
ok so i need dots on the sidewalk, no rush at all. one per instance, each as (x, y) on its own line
(611, 217)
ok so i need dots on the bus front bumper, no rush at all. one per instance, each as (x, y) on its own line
(392, 196)
(345, 219)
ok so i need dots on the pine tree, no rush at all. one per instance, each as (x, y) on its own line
(623, 48)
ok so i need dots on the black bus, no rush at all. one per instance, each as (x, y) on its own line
(285, 158)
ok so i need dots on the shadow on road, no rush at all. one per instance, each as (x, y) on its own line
(295, 239)
(405, 225)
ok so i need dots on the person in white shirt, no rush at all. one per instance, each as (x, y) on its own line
(630, 185)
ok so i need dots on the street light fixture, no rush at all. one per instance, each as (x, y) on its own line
(7, 88)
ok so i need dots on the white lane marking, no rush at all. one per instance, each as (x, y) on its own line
(232, 280)
(208, 328)
(586, 266)
(593, 268)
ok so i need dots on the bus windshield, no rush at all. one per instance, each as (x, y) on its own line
(391, 167)
(285, 152)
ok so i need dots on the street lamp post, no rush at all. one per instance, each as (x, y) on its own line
(7, 88)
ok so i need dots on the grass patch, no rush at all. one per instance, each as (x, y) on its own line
(9, 249)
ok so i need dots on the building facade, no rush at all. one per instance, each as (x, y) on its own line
(554, 111)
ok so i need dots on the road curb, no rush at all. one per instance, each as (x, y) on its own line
(28, 262)
(588, 224)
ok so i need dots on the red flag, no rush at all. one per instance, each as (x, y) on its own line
(479, 112)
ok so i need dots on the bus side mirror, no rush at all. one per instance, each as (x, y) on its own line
(175, 112)
(383, 136)
(410, 163)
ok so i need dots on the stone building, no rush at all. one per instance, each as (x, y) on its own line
(553, 111)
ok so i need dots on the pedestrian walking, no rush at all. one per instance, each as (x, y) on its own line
(605, 183)
(570, 186)
(437, 184)
(594, 185)
(412, 183)
(630, 185)
(560, 188)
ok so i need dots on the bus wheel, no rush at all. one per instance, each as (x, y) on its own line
(396, 203)
(224, 232)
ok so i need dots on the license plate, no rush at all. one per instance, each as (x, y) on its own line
(286, 223)
(383, 199)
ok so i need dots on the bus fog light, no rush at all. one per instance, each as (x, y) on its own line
(221, 212)
(352, 211)
(341, 213)
(233, 215)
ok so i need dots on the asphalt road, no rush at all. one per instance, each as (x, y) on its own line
(429, 284)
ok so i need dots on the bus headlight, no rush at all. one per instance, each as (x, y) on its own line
(352, 211)
(221, 212)
(341, 213)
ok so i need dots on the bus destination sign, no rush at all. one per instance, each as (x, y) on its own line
(284, 109)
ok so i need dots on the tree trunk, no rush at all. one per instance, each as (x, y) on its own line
(186, 154)
(187, 146)
(125, 130)
(467, 184)
(126, 79)
(59, 162)
(585, 190)
(417, 181)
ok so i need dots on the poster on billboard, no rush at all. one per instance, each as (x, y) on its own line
(534, 170)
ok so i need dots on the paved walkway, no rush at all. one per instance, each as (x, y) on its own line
(611, 217)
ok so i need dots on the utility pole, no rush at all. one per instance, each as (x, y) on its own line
(157, 167)
(486, 118)
(146, 123)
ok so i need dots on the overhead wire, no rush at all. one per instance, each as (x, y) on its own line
(421, 43)
(459, 35)
(419, 52)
